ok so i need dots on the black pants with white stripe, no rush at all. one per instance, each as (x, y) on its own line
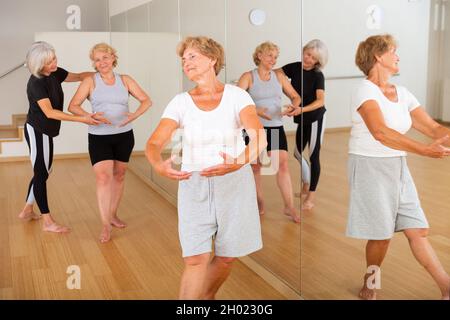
(312, 136)
(41, 155)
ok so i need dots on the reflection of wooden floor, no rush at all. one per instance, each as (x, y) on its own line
(281, 237)
(142, 262)
(281, 252)
(333, 265)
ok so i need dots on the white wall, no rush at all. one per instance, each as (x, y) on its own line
(19, 21)
(345, 27)
(119, 6)
(203, 18)
(282, 26)
(151, 60)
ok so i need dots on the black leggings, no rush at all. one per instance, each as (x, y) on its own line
(41, 155)
(312, 136)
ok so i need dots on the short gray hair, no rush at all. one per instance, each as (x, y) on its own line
(38, 55)
(321, 52)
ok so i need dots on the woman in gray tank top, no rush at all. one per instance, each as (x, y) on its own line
(266, 88)
(110, 143)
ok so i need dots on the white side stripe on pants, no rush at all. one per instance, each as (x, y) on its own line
(33, 153)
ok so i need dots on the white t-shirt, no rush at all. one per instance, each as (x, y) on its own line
(206, 133)
(396, 116)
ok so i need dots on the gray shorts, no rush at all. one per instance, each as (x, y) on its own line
(383, 198)
(223, 208)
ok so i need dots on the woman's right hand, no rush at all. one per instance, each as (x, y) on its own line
(99, 117)
(436, 149)
(89, 119)
(262, 113)
(165, 169)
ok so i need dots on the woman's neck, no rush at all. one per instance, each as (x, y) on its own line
(264, 73)
(379, 76)
(107, 75)
(208, 83)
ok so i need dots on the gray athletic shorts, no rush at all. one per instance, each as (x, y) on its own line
(220, 207)
(383, 198)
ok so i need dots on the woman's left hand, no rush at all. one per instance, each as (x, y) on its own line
(131, 116)
(229, 165)
(294, 112)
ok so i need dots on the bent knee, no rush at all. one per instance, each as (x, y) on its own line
(412, 234)
(226, 260)
(197, 260)
(119, 175)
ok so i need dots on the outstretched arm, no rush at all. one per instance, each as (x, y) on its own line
(373, 118)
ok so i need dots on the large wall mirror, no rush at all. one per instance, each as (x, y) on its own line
(146, 36)
(333, 264)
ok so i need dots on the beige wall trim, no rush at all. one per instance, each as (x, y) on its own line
(60, 156)
(327, 130)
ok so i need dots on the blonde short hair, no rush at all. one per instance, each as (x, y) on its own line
(39, 54)
(321, 52)
(207, 47)
(264, 47)
(103, 47)
(373, 46)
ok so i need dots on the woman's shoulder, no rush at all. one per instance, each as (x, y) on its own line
(35, 82)
(318, 73)
(234, 90)
(296, 64)
(365, 88)
(365, 85)
(180, 99)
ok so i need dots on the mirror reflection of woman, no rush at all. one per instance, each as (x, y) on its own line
(266, 87)
(383, 197)
(110, 143)
(216, 192)
(308, 80)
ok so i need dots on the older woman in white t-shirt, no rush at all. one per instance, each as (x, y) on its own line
(216, 193)
(383, 197)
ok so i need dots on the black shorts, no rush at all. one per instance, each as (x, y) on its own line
(111, 147)
(276, 138)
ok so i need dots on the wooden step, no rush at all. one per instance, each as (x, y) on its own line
(14, 131)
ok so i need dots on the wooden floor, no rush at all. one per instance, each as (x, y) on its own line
(142, 261)
(333, 265)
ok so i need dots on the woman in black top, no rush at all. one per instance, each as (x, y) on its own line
(308, 80)
(46, 99)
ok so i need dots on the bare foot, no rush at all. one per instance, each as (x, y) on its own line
(291, 213)
(116, 222)
(53, 227)
(366, 293)
(28, 216)
(105, 235)
(307, 205)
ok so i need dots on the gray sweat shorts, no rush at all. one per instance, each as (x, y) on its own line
(223, 208)
(383, 198)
